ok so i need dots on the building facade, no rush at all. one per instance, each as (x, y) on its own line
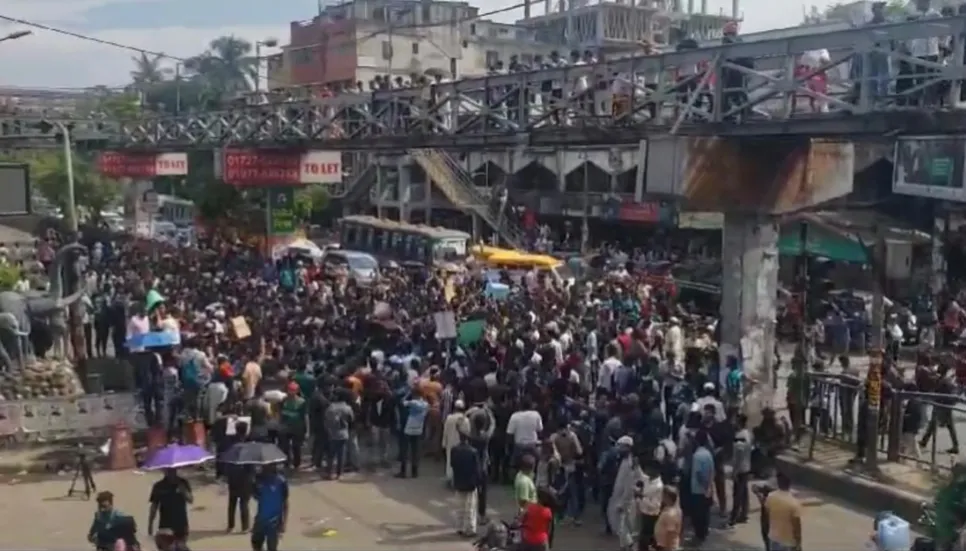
(356, 41)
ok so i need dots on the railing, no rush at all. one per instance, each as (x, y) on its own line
(458, 187)
(727, 86)
(833, 411)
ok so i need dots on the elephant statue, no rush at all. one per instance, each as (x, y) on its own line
(19, 311)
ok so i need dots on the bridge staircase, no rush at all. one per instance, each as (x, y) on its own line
(457, 186)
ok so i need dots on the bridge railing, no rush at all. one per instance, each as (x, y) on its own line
(854, 71)
(911, 424)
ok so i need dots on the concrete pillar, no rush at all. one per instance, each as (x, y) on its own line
(748, 297)
(404, 187)
(428, 194)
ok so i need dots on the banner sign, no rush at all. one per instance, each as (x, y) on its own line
(91, 414)
(281, 212)
(648, 212)
(270, 167)
(15, 183)
(930, 166)
(133, 164)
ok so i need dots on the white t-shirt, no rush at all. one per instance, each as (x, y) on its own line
(649, 503)
(605, 373)
(525, 427)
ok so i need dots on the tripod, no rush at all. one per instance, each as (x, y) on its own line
(82, 469)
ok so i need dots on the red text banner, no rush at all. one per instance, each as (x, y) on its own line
(266, 167)
(124, 164)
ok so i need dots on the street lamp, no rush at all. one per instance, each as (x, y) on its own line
(15, 35)
(268, 43)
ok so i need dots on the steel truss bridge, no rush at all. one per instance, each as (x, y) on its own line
(740, 90)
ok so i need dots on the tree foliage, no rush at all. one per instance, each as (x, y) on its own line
(92, 191)
(224, 71)
(310, 201)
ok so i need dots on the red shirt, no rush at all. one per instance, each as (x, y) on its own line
(535, 524)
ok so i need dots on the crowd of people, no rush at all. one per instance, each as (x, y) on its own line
(571, 393)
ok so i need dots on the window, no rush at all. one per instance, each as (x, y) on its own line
(427, 13)
(473, 29)
(379, 14)
(415, 48)
(492, 57)
(386, 49)
(303, 56)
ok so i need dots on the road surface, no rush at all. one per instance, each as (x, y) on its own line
(364, 512)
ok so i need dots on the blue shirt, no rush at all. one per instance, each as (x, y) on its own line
(272, 495)
(415, 416)
(702, 471)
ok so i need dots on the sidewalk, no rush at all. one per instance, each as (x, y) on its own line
(897, 487)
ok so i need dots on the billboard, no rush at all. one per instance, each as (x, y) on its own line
(15, 181)
(280, 167)
(773, 176)
(930, 166)
(135, 164)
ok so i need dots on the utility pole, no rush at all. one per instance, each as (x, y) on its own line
(802, 359)
(585, 218)
(873, 386)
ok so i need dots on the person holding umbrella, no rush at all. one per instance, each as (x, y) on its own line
(169, 499)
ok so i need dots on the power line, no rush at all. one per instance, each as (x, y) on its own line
(88, 38)
(355, 41)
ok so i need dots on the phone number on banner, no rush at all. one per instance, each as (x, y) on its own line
(70, 416)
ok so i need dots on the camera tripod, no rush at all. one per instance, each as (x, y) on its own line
(82, 469)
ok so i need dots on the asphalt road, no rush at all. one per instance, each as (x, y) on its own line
(364, 512)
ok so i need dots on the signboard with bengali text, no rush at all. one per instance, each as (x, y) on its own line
(930, 166)
(135, 164)
(271, 167)
(281, 212)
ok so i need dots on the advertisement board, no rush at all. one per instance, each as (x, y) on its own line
(135, 164)
(15, 183)
(281, 213)
(283, 167)
(930, 166)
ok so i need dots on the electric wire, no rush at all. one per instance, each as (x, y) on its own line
(390, 27)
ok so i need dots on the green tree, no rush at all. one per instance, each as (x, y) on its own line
(226, 68)
(310, 201)
(147, 70)
(92, 192)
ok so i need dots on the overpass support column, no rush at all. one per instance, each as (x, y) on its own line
(404, 187)
(748, 303)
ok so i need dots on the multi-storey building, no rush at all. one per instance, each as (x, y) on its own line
(355, 41)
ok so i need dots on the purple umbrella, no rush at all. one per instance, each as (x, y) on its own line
(175, 456)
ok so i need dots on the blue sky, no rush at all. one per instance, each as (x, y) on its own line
(183, 28)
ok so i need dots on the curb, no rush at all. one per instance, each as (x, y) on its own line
(854, 488)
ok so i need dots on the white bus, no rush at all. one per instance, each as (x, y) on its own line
(180, 212)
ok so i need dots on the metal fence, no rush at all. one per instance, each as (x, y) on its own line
(832, 408)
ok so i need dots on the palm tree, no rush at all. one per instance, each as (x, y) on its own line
(147, 69)
(227, 67)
